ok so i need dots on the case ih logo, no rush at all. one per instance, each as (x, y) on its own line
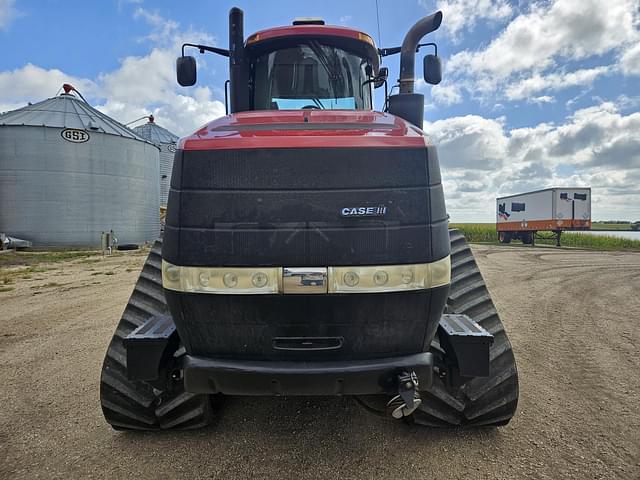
(378, 211)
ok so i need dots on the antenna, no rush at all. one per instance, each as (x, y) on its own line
(378, 20)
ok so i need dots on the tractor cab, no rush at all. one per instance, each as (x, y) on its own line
(313, 66)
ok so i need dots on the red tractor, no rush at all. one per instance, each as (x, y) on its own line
(307, 250)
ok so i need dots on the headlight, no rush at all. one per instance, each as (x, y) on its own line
(380, 278)
(389, 278)
(221, 280)
(350, 278)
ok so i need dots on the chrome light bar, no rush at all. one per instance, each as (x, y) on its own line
(307, 280)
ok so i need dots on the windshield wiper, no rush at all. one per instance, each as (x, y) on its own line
(318, 103)
(333, 77)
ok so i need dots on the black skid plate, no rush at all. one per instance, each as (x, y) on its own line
(467, 344)
(149, 346)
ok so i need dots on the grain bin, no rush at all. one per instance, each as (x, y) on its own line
(166, 141)
(69, 172)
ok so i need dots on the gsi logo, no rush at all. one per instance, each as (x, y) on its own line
(74, 135)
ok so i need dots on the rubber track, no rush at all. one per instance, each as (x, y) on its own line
(136, 405)
(479, 401)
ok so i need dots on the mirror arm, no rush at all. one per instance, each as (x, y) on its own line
(430, 44)
(204, 48)
(385, 52)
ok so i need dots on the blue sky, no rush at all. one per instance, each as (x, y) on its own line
(535, 94)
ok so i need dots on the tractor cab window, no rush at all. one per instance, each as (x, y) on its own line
(311, 75)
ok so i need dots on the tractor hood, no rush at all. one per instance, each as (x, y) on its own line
(305, 129)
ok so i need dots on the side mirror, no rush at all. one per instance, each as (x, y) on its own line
(383, 74)
(432, 69)
(186, 71)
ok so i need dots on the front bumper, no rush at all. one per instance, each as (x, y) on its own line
(347, 377)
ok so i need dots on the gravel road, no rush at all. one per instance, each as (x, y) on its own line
(572, 317)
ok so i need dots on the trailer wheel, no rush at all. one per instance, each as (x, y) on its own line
(504, 237)
(527, 238)
(137, 405)
(489, 401)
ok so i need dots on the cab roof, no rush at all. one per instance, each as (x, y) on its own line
(309, 29)
(296, 32)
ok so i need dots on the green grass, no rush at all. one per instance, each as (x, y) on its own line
(32, 262)
(486, 233)
(34, 258)
(6, 289)
(9, 276)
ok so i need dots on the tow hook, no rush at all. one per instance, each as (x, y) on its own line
(408, 397)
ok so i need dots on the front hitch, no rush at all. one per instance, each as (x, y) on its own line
(408, 398)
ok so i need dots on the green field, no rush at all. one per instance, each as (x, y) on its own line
(611, 226)
(486, 233)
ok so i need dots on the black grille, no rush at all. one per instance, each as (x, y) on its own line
(282, 207)
(305, 169)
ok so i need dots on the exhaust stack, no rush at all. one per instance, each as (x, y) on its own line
(408, 50)
(407, 104)
(238, 73)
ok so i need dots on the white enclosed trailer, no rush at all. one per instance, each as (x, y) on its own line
(550, 210)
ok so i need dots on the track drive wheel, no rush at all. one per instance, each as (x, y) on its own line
(481, 400)
(136, 405)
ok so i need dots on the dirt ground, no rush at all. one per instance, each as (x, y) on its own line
(572, 317)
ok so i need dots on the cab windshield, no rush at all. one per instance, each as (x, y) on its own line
(311, 75)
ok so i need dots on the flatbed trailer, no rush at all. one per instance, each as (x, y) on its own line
(553, 210)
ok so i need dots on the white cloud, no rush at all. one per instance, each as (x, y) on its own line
(8, 13)
(542, 99)
(32, 84)
(463, 15)
(139, 86)
(146, 79)
(630, 60)
(596, 146)
(527, 87)
(164, 29)
(523, 59)
(446, 94)
(470, 142)
(567, 29)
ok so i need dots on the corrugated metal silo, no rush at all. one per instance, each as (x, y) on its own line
(69, 172)
(167, 143)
